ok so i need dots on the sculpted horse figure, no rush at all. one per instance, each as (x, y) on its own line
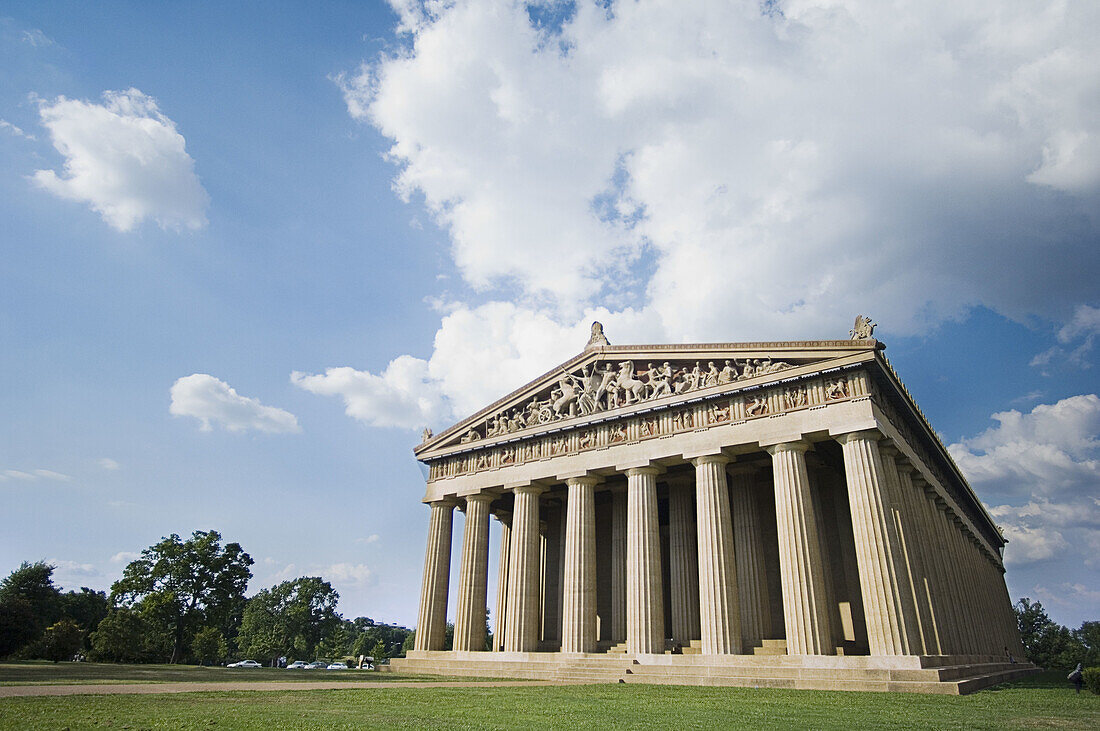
(634, 389)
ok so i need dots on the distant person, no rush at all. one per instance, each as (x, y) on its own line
(1077, 677)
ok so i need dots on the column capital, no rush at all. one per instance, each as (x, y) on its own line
(906, 467)
(480, 497)
(647, 470)
(869, 435)
(447, 502)
(590, 480)
(531, 488)
(718, 459)
(799, 446)
(504, 516)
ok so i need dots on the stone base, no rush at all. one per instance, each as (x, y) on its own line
(951, 675)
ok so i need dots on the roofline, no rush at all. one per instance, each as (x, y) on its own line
(595, 353)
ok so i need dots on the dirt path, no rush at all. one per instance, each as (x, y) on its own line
(12, 691)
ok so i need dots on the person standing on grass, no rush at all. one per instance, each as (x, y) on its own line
(1077, 677)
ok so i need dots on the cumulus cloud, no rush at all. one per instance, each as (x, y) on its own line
(108, 464)
(736, 170)
(1042, 468)
(72, 569)
(403, 395)
(125, 159)
(347, 573)
(213, 401)
(125, 557)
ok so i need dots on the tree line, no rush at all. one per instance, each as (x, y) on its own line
(1052, 645)
(183, 600)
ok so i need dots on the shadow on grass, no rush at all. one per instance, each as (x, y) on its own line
(1045, 680)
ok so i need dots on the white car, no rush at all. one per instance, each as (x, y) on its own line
(244, 664)
(298, 665)
(316, 666)
(338, 666)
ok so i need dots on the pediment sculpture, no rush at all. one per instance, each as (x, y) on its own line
(612, 384)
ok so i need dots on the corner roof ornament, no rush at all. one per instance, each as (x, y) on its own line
(864, 329)
(597, 339)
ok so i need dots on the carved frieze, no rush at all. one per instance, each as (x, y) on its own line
(605, 386)
(676, 419)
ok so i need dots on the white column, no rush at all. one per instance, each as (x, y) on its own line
(522, 623)
(618, 564)
(431, 624)
(499, 626)
(719, 611)
(748, 548)
(876, 545)
(683, 564)
(644, 603)
(579, 591)
(910, 573)
(800, 566)
(473, 577)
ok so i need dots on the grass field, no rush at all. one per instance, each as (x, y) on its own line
(71, 673)
(1042, 701)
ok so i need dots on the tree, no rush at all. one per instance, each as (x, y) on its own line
(1088, 634)
(209, 645)
(192, 583)
(290, 619)
(18, 625)
(378, 652)
(124, 635)
(61, 640)
(1046, 642)
(337, 641)
(87, 608)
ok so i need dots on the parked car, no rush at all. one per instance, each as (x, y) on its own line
(298, 665)
(338, 666)
(316, 666)
(244, 664)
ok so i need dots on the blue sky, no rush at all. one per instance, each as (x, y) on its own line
(250, 250)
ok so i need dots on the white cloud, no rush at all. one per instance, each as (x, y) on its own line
(1083, 327)
(125, 557)
(403, 395)
(715, 171)
(125, 159)
(347, 573)
(1042, 472)
(13, 130)
(72, 569)
(213, 401)
(36, 38)
(372, 538)
(108, 464)
(30, 476)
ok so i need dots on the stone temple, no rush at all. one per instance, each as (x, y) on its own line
(760, 514)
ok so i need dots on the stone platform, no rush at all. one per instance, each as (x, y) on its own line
(950, 675)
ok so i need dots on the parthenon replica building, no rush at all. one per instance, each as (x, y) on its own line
(763, 514)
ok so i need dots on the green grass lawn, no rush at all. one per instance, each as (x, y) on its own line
(66, 673)
(1042, 701)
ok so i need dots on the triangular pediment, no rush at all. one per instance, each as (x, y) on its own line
(601, 382)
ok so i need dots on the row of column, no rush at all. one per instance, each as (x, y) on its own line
(925, 588)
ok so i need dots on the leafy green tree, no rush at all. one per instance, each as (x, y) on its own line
(409, 643)
(61, 640)
(87, 608)
(1046, 642)
(209, 645)
(29, 587)
(190, 583)
(378, 652)
(290, 618)
(337, 642)
(18, 625)
(1088, 634)
(124, 635)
